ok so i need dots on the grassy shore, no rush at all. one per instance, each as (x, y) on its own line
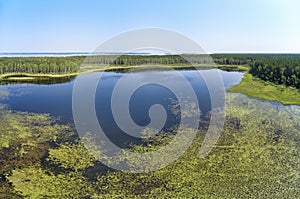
(28, 78)
(122, 68)
(33, 76)
(93, 68)
(256, 88)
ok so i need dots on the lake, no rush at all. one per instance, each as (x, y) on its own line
(56, 99)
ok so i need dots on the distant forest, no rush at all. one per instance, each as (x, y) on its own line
(279, 69)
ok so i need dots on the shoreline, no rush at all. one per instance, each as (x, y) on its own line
(16, 76)
(259, 89)
(250, 86)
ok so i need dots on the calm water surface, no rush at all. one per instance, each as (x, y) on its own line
(56, 99)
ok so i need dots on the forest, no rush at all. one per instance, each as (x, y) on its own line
(277, 68)
(36, 65)
(57, 65)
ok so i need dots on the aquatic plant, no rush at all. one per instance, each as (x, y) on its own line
(257, 156)
(72, 156)
(38, 183)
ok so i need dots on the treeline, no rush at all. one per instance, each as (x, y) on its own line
(132, 60)
(233, 59)
(280, 69)
(48, 65)
(72, 64)
(277, 69)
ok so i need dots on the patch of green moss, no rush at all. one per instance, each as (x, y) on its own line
(257, 88)
(28, 128)
(24, 141)
(71, 156)
(37, 183)
(243, 68)
(256, 156)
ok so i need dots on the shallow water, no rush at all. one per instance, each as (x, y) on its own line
(259, 138)
(56, 99)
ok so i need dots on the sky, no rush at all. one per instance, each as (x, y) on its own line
(218, 26)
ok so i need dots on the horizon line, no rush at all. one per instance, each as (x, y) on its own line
(118, 53)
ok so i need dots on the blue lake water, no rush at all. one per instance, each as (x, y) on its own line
(56, 99)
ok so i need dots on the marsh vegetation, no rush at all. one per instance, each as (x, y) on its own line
(257, 88)
(257, 156)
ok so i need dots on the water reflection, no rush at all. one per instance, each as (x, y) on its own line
(55, 97)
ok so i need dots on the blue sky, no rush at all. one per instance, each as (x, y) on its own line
(216, 25)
